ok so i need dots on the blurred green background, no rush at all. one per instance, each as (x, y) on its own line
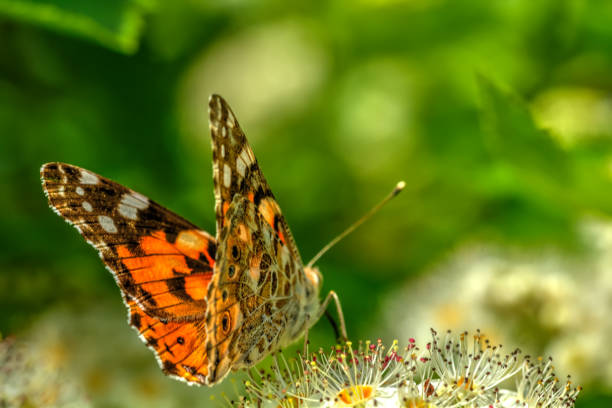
(498, 115)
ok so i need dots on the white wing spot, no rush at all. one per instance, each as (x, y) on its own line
(246, 157)
(87, 206)
(128, 212)
(107, 224)
(61, 190)
(131, 203)
(223, 151)
(231, 122)
(80, 191)
(87, 177)
(227, 175)
(135, 199)
(219, 109)
(224, 132)
(240, 166)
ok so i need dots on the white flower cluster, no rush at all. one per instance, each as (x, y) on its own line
(546, 302)
(453, 371)
(34, 377)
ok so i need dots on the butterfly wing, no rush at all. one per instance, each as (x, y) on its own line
(179, 346)
(237, 173)
(162, 263)
(254, 295)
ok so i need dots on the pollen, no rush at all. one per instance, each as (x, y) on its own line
(355, 395)
(416, 402)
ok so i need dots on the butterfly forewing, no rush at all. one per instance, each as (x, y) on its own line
(236, 172)
(162, 263)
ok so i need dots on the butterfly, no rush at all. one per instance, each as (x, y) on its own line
(205, 305)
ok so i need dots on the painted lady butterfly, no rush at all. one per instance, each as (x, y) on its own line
(203, 304)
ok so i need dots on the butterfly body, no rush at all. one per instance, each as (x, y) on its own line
(205, 305)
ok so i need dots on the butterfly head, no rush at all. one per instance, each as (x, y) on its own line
(314, 277)
(310, 300)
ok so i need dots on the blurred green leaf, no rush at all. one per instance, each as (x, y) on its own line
(529, 162)
(534, 158)
(529, 178)
(594, 400)
(116, 24)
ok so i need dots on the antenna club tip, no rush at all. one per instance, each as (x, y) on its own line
(399, 187)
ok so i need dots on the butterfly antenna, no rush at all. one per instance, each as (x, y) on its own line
(398, 188)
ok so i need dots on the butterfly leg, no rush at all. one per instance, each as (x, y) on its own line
(305, 342)
(332, 295)
(333, 323)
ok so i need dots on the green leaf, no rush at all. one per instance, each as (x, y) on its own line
(530, 164)
(535, 162)
(116, 24)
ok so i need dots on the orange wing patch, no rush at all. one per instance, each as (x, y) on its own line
(271, 213)
(179, 346)
(169, 280)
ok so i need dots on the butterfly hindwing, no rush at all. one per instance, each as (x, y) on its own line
(179, 346)
(251, 307)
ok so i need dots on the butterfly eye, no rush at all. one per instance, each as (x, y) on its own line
(235, 252)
